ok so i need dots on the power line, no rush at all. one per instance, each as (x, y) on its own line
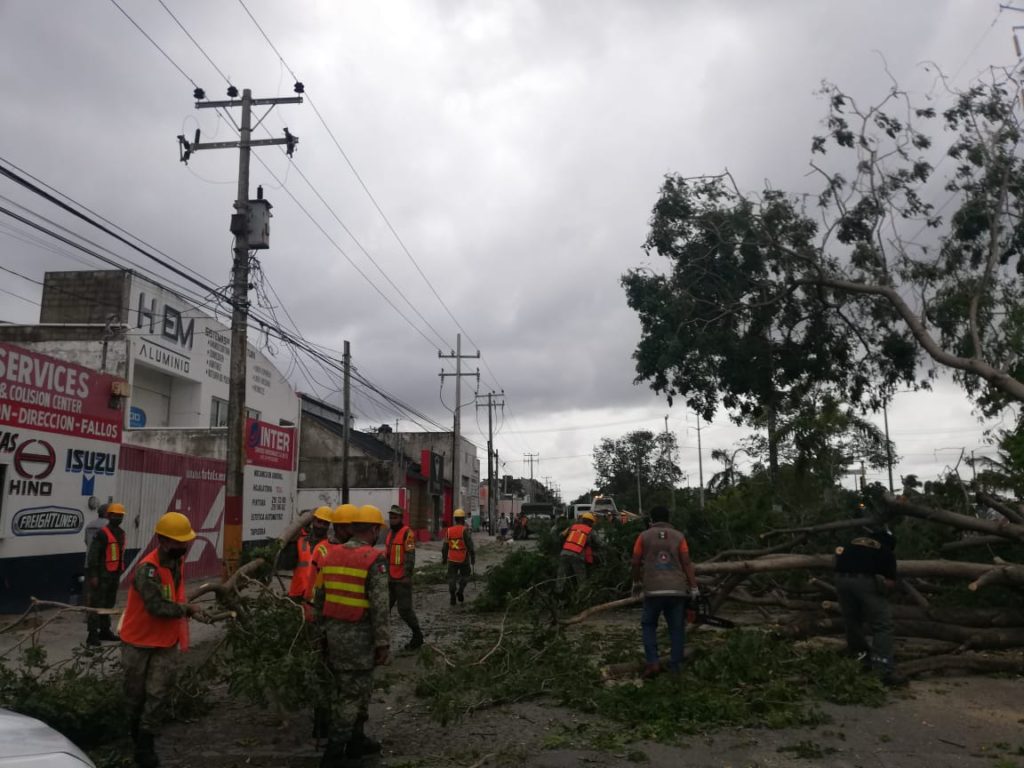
(155, 43)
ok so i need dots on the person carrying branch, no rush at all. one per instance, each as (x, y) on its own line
(664, 575)
(305, 547)
(104, 565)
(351, 607)
(154, 632)
(400, 546)
(865, 572)
(460, 555)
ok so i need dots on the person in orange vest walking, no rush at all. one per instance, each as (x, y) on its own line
(400, 546)
(351, 607)
(154, 629)
(103, 569)
(458, 552)
(302, 579)
(577, 551)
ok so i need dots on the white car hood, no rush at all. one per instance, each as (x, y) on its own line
(25, 741)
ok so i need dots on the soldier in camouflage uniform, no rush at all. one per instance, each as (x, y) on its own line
(154, 630)
(351, 607)
(104, 564)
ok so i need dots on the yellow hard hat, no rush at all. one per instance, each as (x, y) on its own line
(459, 513)
(369, 514)
(588, 516)
(324, 513)
(345, 514)
(115, 509)
(174, 525)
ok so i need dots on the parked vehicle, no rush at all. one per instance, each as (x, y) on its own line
(579, 509)
(25, 741)
(539, 510)
(604, 507)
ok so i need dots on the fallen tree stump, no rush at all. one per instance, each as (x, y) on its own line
(971, 662)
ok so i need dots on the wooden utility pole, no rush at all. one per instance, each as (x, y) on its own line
(456, 437)
(235, 481)
(669, 468)
(492, 457)
(531, 457)
(346, 428)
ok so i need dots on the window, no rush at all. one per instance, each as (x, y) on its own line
(219, 413)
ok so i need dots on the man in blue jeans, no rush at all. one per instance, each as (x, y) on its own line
(663, 573)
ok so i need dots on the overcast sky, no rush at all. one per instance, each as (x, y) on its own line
(516, 147)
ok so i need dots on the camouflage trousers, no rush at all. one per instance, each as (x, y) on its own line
(863, 602)
(570, 568)
(148, 681)
(349, 703)
(458, 576)
(104, 595)
(400, 593)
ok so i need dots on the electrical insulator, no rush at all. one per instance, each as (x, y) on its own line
(232, 92)
(199, 94)
(299, 87)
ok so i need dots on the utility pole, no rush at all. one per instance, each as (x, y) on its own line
(700, 465)
(492, 466)
(240, 228)
(531, 457)
(346, 433)
(888, 445)
(456, 438)
(673, 482)
(639, 495)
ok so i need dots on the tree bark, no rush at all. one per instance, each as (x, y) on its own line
(956, 520)
(749, 553)
(1000, 506)
(838, 525)
(584, 615)
(974, 541)
(971, 662)
(977, 638)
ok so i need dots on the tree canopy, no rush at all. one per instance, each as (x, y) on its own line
(772, 299)
(653, 457)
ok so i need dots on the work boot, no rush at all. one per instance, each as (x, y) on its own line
(651, 671)
(461, 596)
(362, 745)
(109, 637)
(334, 755)
(451, 596)
(145, 750)
(416, 642)
(94, 640)
(321, 722)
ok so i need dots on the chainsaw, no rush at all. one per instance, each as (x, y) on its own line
(699, 612)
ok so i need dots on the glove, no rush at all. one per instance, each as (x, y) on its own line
(695, 593)
(638, 589)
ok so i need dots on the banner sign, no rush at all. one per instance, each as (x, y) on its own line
(42, 393)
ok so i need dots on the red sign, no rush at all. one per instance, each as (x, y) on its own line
(50, 395)
(267, 445)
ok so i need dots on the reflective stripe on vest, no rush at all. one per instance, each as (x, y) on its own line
(344, 580)
(576, 541)
(394, 545)
(114, 558)
(456, 544)
(301, 579)
(139, 627)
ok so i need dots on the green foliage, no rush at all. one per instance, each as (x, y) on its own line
(80, 698)
(433, 573)
(617, 462)
(273, 655)
(746, 678)
(510, 578)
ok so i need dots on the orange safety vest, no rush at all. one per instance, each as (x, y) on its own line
(394, 545)
(316, 561)
(456, 544)
(139, 627)
(577, 542)
(114, 559)
(301, 579)
(345, 573)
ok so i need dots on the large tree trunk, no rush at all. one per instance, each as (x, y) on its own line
(1000, 506)
(963, 522)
